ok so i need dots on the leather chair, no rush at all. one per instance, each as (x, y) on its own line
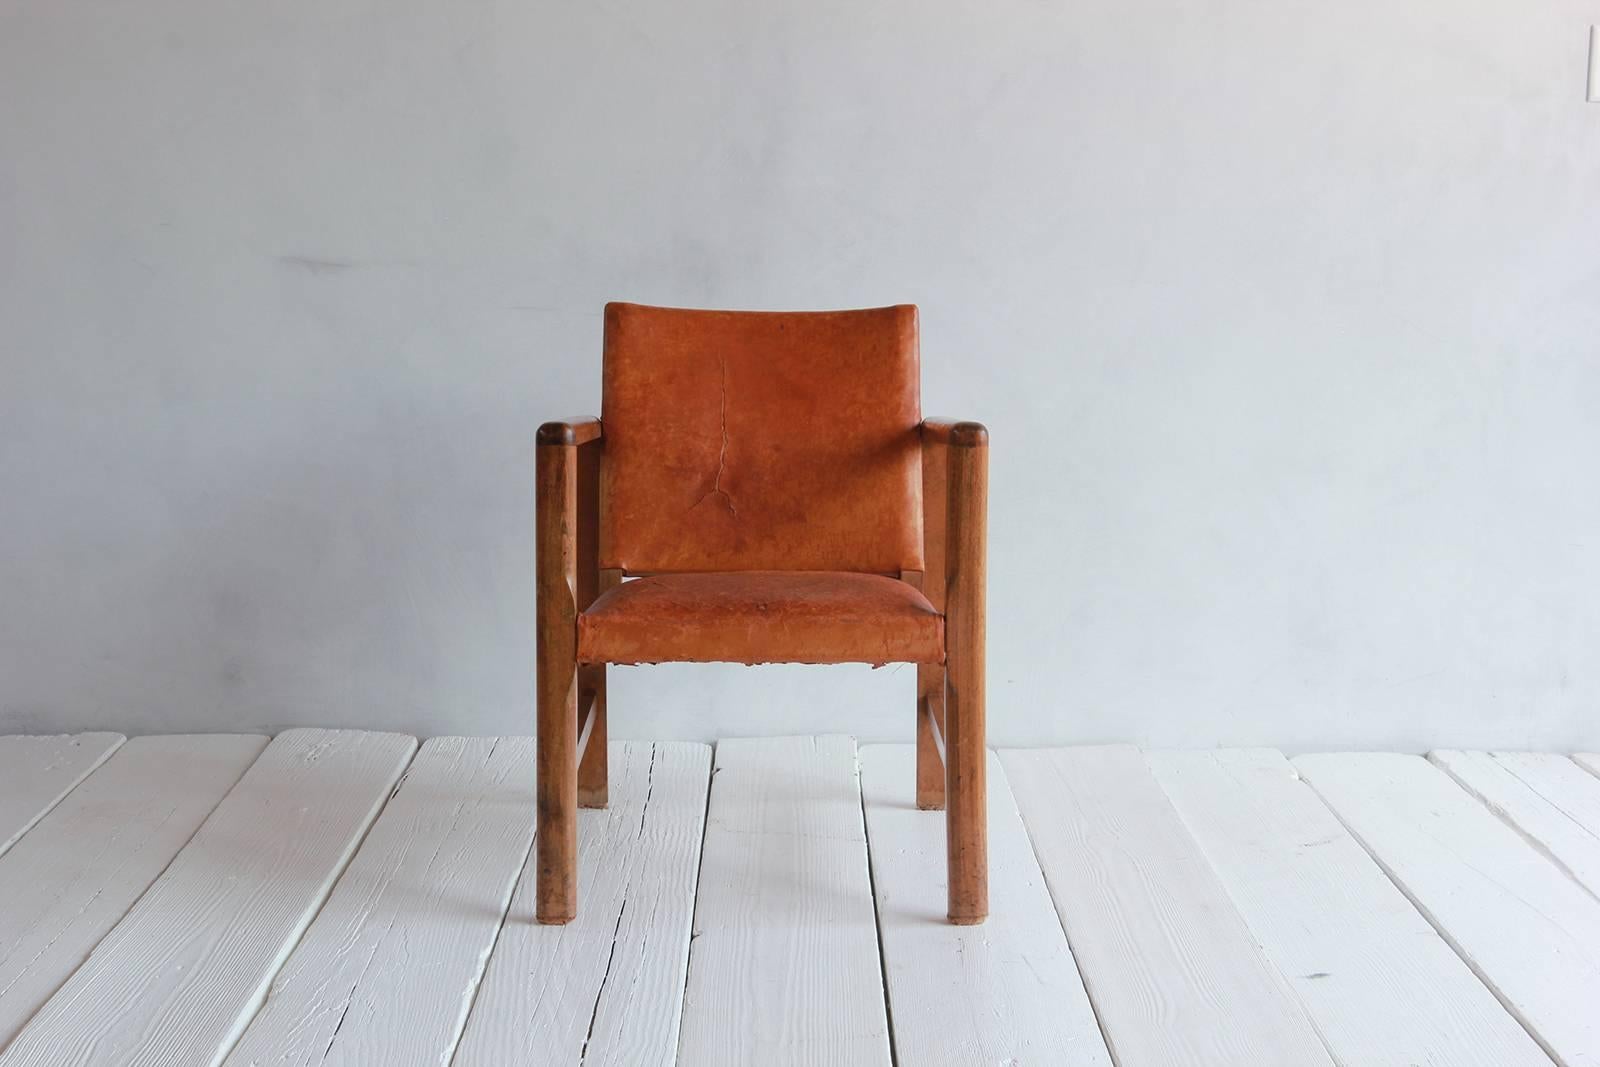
(761, 487)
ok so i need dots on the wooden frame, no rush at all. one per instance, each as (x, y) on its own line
(951, 699)
(565, 575)
(951, 761)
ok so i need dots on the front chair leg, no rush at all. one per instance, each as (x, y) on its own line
(556, 637)
(556, 834)
(966, 796)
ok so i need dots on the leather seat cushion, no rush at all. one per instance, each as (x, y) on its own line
(762, 617)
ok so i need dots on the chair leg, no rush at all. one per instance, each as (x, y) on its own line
(556, 837)
(594, 768)
(966, 795)
(965, 758)
(930, 765)
(556, 655)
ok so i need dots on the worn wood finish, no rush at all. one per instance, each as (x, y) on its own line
(586, 719)
(966, 580)
(78, 871)
(591, 682)
(37, 771)
(1526, 929)
(1551, 800)
(935, 738)
(387, 972)
(556, 843)
(605, 990)
(1173, 971)
(929, 768)
(1379, 982)
(784, 967)
(931, 676)
(1008, 993)
(593, 767)
(944, 430)
(573, 430)
(930, 732)
(177, 979)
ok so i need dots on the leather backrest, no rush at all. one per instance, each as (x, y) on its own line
(740, 440)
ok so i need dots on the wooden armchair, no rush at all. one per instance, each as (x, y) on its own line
(767, 482)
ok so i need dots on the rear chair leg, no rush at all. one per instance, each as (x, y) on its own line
(592, 770)
(593, 791)
(930, 712)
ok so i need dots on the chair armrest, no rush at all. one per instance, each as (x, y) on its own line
(567, 508)
(577, 430)
(955, 463)
(954, 432)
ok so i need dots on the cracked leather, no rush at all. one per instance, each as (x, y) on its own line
(761, 441)
(762, 617)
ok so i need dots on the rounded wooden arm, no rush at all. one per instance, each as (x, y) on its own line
(577, 430)
(955, 432)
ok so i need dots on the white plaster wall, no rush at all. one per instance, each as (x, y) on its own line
(1285, 317)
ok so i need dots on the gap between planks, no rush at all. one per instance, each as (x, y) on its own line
(1529, 932)
(606, 989)
(1377, 979)
(386, 972)
(1175, 975)
(38, 771)
(1550, 800)
(1005, 992)
(603, 1015)
(71, 878)
(178, 978)
(784, 968)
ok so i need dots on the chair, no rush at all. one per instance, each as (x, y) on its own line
(761, 488)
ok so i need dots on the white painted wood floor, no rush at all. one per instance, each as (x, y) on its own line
(336, 897)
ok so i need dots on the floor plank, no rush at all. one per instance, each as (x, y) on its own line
(1382, 987)
(386, 973)
(784, 968)
(1526, 928)
(1174, 974)
(1005, 992)
(79, 870)
(36, 772)
(1551, 800)
(606, 989)
(177, 979)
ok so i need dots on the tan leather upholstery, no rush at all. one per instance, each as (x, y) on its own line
(741, 441)
(761, 475)
(762, 617)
